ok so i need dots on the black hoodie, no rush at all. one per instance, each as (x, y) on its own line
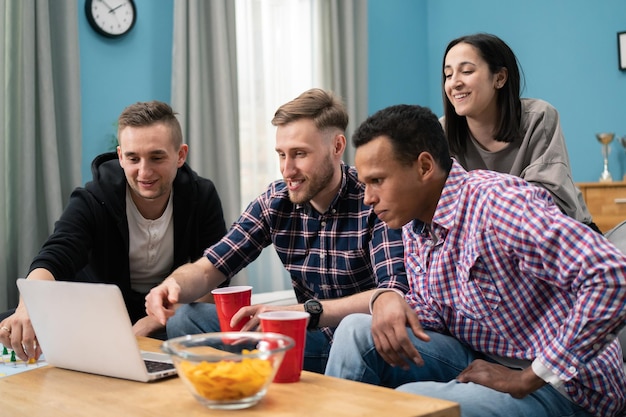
(90, 239)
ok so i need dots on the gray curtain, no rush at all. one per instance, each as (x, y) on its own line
(347, 42)
(204, 92)
(40, 122)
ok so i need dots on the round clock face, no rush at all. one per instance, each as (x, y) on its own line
(111, 18)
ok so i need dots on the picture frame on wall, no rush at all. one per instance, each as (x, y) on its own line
(621, 50)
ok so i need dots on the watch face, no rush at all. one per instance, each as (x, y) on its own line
(313, 307)
(111, 18)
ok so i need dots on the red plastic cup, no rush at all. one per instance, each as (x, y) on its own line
(292, 324)
(228, 301)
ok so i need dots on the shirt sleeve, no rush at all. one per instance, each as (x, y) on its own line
(66, 251)
(574, 260)
(387, 252)
(546, 374)
(548, 161)
(244, 242)
(428, 316)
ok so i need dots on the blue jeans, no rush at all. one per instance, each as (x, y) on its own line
(197, 318)
(354, 356)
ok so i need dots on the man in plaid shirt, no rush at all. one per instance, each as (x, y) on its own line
(513, 307)
(336, 250)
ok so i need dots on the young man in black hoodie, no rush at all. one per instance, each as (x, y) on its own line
(145, 213)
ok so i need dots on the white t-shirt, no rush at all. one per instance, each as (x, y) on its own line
(151, 245)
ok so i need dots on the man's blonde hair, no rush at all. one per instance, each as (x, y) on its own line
(323, 107)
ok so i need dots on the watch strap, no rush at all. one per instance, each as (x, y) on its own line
(314, 312)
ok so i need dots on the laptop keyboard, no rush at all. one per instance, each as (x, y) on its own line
(155, 366)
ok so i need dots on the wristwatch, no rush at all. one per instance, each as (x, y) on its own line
(315, 309)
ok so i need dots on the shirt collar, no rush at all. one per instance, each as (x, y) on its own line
(448, 205)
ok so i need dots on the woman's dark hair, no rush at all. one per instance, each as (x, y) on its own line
(411, 129)
(498, 55)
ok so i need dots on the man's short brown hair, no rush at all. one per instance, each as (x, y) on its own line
(147, 113)
(323, 107)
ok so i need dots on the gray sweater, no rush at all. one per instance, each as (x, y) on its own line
(539, 157)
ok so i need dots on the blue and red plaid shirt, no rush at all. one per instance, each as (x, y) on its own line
(505, 272)
(344, 251)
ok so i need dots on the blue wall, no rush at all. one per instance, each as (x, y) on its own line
(119, 72)
(567, 48)
(397, 53)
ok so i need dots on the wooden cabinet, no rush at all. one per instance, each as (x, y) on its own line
(606, 202)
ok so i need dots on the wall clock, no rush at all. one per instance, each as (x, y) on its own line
(111, 18)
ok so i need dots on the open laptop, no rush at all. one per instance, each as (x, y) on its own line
(85, 327)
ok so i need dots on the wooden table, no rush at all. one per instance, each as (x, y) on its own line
(55, 392)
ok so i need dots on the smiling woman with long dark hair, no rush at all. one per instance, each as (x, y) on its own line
(489, 126)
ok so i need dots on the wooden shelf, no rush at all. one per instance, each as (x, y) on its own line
(606, 202)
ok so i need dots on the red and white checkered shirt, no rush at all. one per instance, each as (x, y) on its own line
(504, 271)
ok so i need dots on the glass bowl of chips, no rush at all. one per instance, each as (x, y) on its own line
(228, 370)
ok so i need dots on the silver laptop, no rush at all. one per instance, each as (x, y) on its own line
(85, 327)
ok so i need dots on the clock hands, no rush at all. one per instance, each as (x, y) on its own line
(115, 8)
(105, 3)
(112, 9)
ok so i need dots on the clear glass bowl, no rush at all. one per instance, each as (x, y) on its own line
(229, 370)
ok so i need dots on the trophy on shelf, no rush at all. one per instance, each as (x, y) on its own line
(605, 139)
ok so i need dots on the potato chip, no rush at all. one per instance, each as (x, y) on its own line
(227, 380)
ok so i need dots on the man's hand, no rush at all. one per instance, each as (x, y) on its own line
(17, 333)
(391, 316)
(162, 299)
(251, 313)
(145, 326)
(500, 378)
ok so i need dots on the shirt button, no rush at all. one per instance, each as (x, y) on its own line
(322, 255)
(572, 369)
(323, 224)
(333, 211)
(597, 346)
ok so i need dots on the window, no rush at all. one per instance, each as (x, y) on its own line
(278, 58)
(279, 53)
